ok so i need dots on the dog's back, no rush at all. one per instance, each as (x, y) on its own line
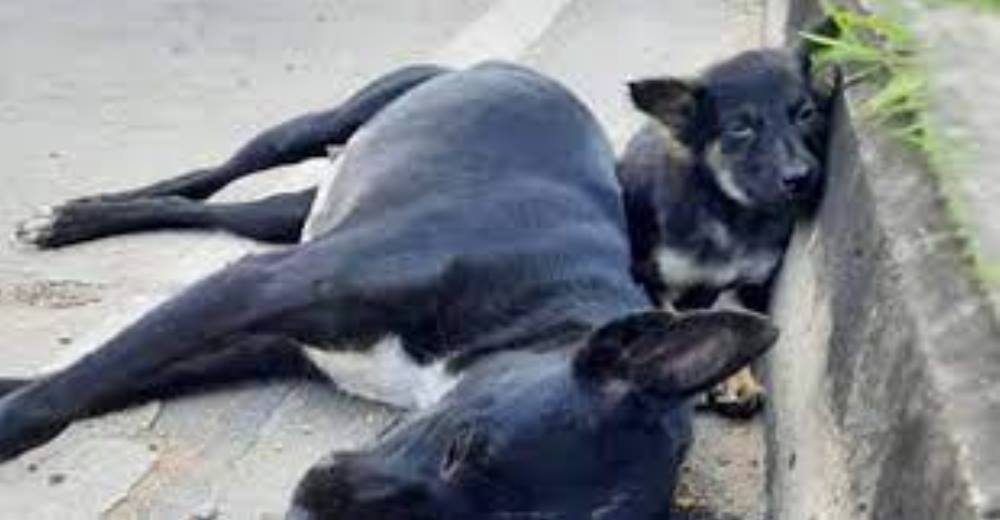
(503, 176)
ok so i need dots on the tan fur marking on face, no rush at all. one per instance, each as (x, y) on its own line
(723, 173)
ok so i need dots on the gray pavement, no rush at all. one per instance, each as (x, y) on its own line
(110, 96)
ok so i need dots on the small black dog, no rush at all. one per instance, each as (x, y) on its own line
(471, 247)
(714, 182)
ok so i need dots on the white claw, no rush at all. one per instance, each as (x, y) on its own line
(37, 228)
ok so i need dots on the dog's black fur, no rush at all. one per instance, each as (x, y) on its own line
(715, 181)
(720, 173)
(476, 217)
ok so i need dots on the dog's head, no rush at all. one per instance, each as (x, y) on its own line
(756, 123)
(595, 429)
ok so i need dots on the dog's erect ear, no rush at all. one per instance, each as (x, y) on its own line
(672, 101)
(826, 81)
(806, 45)
(674, 355)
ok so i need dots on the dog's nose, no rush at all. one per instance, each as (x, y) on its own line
(795, 177)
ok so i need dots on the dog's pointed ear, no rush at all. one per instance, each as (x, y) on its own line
(827, 80)
(808, 42)
(672, 101)
(674, 355)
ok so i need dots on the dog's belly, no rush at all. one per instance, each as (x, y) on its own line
(384, 372)
(680, 269)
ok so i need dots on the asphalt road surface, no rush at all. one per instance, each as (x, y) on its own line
(98, 96)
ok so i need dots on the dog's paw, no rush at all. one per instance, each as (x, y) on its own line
(63, 225)
(739, 397)
(39, 229)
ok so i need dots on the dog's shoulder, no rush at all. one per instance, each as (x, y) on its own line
(652, 156)
(662, 198)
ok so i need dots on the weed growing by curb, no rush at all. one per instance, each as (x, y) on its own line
(987, 5)
(886, 55)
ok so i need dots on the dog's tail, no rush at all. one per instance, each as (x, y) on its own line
(8, 385)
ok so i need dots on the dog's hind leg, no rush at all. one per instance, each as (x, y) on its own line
(168, 204)
(304, 137)
(276, 219)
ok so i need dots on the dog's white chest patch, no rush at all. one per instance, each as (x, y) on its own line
(681, 269)
(385, 373)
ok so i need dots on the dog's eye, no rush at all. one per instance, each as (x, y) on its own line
(805, 114)
(739, 130)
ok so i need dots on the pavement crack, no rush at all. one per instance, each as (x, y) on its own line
(268, 417)
(126, 495)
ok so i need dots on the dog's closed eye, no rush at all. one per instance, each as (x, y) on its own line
(805, 113)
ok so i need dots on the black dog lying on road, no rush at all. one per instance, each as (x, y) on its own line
(474, 228)
(714, 183)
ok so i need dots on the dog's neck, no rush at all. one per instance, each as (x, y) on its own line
(553, 323)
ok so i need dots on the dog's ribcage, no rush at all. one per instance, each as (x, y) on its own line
(382, 371)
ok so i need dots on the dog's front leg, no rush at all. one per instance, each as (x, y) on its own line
(742, 395)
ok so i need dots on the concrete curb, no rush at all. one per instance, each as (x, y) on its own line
(886, 383)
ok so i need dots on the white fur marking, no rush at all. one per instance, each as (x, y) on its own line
(385, 373)
(680, 269)
(37, 227)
